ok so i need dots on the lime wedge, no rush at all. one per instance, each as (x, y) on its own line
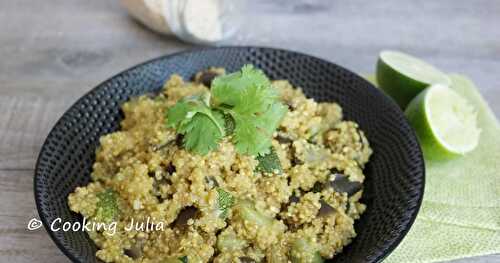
(445, 122)
(403, 76)
(372, 79)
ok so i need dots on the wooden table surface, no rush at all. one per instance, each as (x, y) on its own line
(53, 51)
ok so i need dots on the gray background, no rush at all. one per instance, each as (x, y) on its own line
(53, 51)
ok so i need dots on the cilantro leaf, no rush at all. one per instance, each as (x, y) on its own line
(243, 104)
(273, 116)
(253, 132)
(177, 114)
(202, 133)
(253, 103)
(202, 127)
(250, 134)
(186, 108)
(256, 99)
(247, 89)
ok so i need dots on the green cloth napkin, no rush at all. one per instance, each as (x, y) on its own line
(460, 213)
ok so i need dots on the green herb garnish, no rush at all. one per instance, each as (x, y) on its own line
(254, 105)
(243, 104)
(184, 259)
(202, 127)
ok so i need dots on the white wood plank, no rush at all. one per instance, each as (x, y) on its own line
(17, 244)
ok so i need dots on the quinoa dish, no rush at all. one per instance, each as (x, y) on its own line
(225, 168)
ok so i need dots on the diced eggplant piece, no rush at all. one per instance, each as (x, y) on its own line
(247, 260)
(135, 250)
(341, 183)
(211, 182)
(184, 215)
(283, 140)
(170, 168)
(206, 77)
(318, 187)
(291, 200)
(294, 199)
(179, 140)
(325, 209)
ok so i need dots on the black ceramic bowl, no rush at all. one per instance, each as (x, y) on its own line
(394, 176)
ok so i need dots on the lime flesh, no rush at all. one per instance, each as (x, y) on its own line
(445, 122)
(403, 76)
(372, 79)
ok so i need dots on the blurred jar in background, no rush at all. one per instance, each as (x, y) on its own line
(208, 22)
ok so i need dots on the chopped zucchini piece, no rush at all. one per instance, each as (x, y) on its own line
(229, 241)
(269, 163)
(224, 202)
(305, 251)
(107, 206)
(248, 212)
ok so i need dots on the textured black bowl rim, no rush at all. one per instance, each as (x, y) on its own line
(388, 250)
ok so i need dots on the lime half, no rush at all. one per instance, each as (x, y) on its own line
(403, 76)
(445, 122)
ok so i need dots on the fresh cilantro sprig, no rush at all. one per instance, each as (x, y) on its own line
(202, 127)
(245, 100)
(254, 105)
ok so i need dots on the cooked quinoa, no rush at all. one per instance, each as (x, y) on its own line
(303, 213)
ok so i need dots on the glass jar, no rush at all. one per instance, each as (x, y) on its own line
(208, 22)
